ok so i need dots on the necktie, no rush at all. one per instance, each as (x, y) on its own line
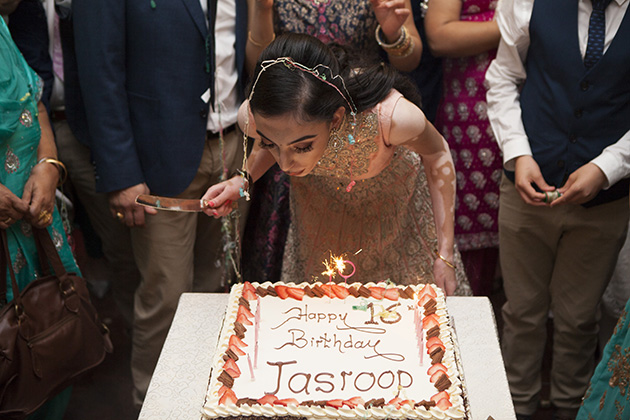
(210, 47)
(596, 33)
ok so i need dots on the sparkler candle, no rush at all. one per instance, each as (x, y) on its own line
(341, 267)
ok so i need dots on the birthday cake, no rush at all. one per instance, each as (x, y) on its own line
(328, 350)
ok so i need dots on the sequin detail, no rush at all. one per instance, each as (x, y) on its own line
(343, 159)
(26, 118)
(57, 239)
(19, 262)
(11, 161)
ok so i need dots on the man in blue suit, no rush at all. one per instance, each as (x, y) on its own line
(161, 80)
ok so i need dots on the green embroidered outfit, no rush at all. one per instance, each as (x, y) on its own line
(608, 395)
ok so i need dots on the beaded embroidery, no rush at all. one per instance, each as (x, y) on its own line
(26, 118)
(347, 157)
(11, 161)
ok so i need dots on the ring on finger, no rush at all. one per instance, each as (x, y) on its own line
(8, 221)
(44, 215)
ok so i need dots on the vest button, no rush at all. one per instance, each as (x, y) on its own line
(572, 138)
(584, 86)
(561, 163)
(578, 113)
(203, 113)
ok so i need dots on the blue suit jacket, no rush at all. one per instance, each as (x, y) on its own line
(142, 71)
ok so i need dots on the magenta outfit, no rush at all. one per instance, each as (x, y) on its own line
(462, 119)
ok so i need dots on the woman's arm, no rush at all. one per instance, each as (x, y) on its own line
(260, 33)
(392, 16)
(411, 129)
(39, 191)
(448, 36)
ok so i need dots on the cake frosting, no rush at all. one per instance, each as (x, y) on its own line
(326, 350)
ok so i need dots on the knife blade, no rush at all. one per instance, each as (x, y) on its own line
(172, 204)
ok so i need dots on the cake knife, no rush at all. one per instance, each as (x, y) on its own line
(174, 204)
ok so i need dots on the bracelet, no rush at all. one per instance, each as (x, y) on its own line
(258, 44)
(447, 262)
(63, 172)
(404, 51)
(403, 34)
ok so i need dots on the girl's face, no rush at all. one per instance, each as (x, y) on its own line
(296, 146)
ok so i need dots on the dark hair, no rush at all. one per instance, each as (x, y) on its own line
(283, 89)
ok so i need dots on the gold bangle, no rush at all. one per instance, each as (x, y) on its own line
(447, 262)
(258, 44)
(63, 172)
(398, 44)
(404, 51)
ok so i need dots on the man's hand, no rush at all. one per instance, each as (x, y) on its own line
(582, 185)
(123, 207)
(527, 172)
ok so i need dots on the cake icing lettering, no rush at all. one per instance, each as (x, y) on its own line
(340, 344)
(326, 382)
(302, 314)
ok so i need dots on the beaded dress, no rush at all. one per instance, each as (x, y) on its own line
(387, 215)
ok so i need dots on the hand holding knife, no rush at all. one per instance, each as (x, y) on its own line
(177, 204)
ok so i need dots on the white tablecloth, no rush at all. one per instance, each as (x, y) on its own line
(179, 383)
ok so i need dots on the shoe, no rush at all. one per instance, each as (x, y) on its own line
(523, 416)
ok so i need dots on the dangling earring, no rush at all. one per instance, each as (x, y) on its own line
(335, 140)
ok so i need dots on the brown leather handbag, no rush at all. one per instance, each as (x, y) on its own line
(49, 333)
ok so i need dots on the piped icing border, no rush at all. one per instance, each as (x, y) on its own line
(434, 334)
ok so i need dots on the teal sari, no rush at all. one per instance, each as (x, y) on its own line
(608, 395)
(20, 91)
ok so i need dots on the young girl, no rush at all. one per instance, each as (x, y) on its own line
(354, 147)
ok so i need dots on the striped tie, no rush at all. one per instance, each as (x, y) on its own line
(596, 33)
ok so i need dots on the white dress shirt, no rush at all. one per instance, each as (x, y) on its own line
(507, 73)
(225, 76)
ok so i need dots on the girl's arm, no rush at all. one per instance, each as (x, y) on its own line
(260, 24)
(411, 129)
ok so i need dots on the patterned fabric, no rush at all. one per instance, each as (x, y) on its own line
(608, 395)
(344, 22)
(384, 225)
(463, 121)
(350, 22)
(20, 90)
(596, 33)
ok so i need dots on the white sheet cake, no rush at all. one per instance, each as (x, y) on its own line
(327, 350)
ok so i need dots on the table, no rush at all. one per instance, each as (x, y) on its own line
(178, 386)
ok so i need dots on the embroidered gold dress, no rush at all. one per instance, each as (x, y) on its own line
(386, 216)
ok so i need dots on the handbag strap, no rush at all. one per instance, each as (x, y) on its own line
(45, 244)
(5, 263)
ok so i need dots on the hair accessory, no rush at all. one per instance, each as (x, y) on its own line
(447, 262)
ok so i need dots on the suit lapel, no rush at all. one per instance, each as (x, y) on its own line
(196, 13)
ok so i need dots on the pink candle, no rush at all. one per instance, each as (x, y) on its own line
(251, 370)
(256, 328)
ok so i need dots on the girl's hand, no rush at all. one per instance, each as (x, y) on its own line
(391, 15)
(221, 196)
(12, 208)
(444, 277)
(39, 194)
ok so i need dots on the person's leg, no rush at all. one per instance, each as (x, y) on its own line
(115, 237)
(587, 254)
(527, 238)
(211, 262)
